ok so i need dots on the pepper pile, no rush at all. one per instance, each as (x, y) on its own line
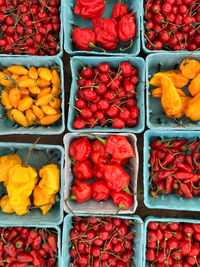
(175, 166)
(107, 32)
(99, 241)
(31, 96)
(21, 247)
(21, 181)
(173, 244)
(172, 24)
(107, 96)
(103, 159)
(174, 101)
(29, 27)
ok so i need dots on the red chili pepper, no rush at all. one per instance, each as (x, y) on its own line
(24, 234)
(106, 32)
(184, 188)
(195, 157)
(37, 259)
(31, 236)
(98, 171)
(24, 257)
(19, 243)
(169, 184)
(116, 178)
(196, 191)
(119, 11)
(169, 157)
(84, 39)
(10, 249)
(100, 190)
(178, 143)
(83, 170)
(188, 160)
(89, 9)
(153, 156)
(42, 252)
(13, 234)
(156, 144)
(173, 150)
(37, 242)
(51, 262)
(193, 145)
(52, 241)
(127, 28)
(194, 179)
(156, 166)
(81, 191)
(178, 158)
(1, 248)
(9, 260)
(18, 264)
(80, 149)
(48, 249)
(99, 157)
(160, 154)
(163, 174)
(184, 167)
(180, 175)
(122, 199)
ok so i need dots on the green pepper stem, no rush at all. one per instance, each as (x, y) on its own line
(99, 138)
(92, 45)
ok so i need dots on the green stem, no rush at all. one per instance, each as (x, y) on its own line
(92, 45)
(98, 138)
(127, 190)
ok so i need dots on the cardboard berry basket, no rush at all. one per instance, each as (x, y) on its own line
(92, 206)
(71, 21)
(156, 119)
(171, 201)
(40, 156)
(114, 63)
(9, 127)
(67, 226)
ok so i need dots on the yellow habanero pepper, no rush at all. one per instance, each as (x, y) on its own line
(190, 68)
(5, 204)
(157, 92)
(194, 87)
(193, 108)
(6, 163)
(20, 204)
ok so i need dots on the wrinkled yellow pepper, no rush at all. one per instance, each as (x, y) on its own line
(7, 162)
(157, 92)
(193, 108)
(5, 204)
(194, 87)
(20, 204)
(190, 68)
(50, 182)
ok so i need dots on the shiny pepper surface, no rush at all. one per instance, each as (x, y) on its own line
(6, 162)
(50, 182)
(83, 170)
(100, 190)
(89, 9)
(81, 191)
(127, 28)
(122, 199)
(190, 68)
(116, 178)
(80, 149)
(84, 39)
(119, 11)
(106, 32)
(193, 108)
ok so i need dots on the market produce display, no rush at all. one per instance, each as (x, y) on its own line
(106, 96)
(172, 244)
(102, 241)
(31, 96)
(30, 27)
(176, 100)
(103, 159)
(22, 246)
(106, 32)
(172, 25)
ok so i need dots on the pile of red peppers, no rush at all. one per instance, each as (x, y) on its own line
(107, 33)
(175, 167)
(104, 160)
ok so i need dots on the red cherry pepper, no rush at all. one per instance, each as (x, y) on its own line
(169, 157)
(98, 171)
(13, 234)
(52, 241)
(106, 32)
(184, 167)
(37, 242)
(116, 178)
(100, 191)
(119, 11)
(80, 149)
(184, 188)
(163, 174)
(10, 249)
(89, 9)
(122, 199)
(127, 28)
(81, 191)
(31, 236)
(84, 39)
(83, 170)
(24, 257)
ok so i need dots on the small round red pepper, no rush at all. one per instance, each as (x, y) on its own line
(89, 9)
(84, 39)
(100, 191)
(119, 11)
(127, 28)
(81, 191)
(122, 199)
(80, 149)
(83, 170)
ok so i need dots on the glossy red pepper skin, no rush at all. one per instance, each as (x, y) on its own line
(52, 241)
(127, 27)
(184, 188)
(84, 39)
(51, 262)
(99, 157)
(181, 175)
(13, 234)
(37, 259)
(48, 249)
(98, 171)
(188, 160)
(18, 264)
(10, 249)
(119, 11)
(24, 234)
(89, 9)
(80, 149)
(122, 199)
(156, 144)
(31, 236)
(1, 248)
(24, 257)
(106, 32)
(184, 167)
(169, 157)
(119, 147)
(153, 156)
(82, 191)
(195, 157)
(163, 174)
(100, 190)
(98, 146)
(37, 242)
(178, 143)
(193, 145)
(122, 162)
(83, 170)
(116, 178)
(169, 183)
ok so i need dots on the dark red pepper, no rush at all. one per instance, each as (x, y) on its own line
(37, 259)
(194, 179)
(169, 157)
(37, 242)
(193, 145)
(169, 183)
(181, 175)
(31, 236)
(84, 39)
(178, 143)
(1, 248)
(83, 170)
(178, 158)
(46, 247)
(184, 167)
(122, 199)
(127, 27)
(184, 188)
(195, 157)
(98, 146)
(106, 32)
(81, 191)
(24, 257)
(13, 234)
(52, 241)
(10, 249)
(188, 160)
(98, 171)
(24, 234)
(122, 162)
(51, 262)
(116, 178)
(80, 149)
(156, 143)
(119, 11)
(163, 174)
(99, 157)
(18, 264)
(153, 156)
(100, 190)
(89, 9)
